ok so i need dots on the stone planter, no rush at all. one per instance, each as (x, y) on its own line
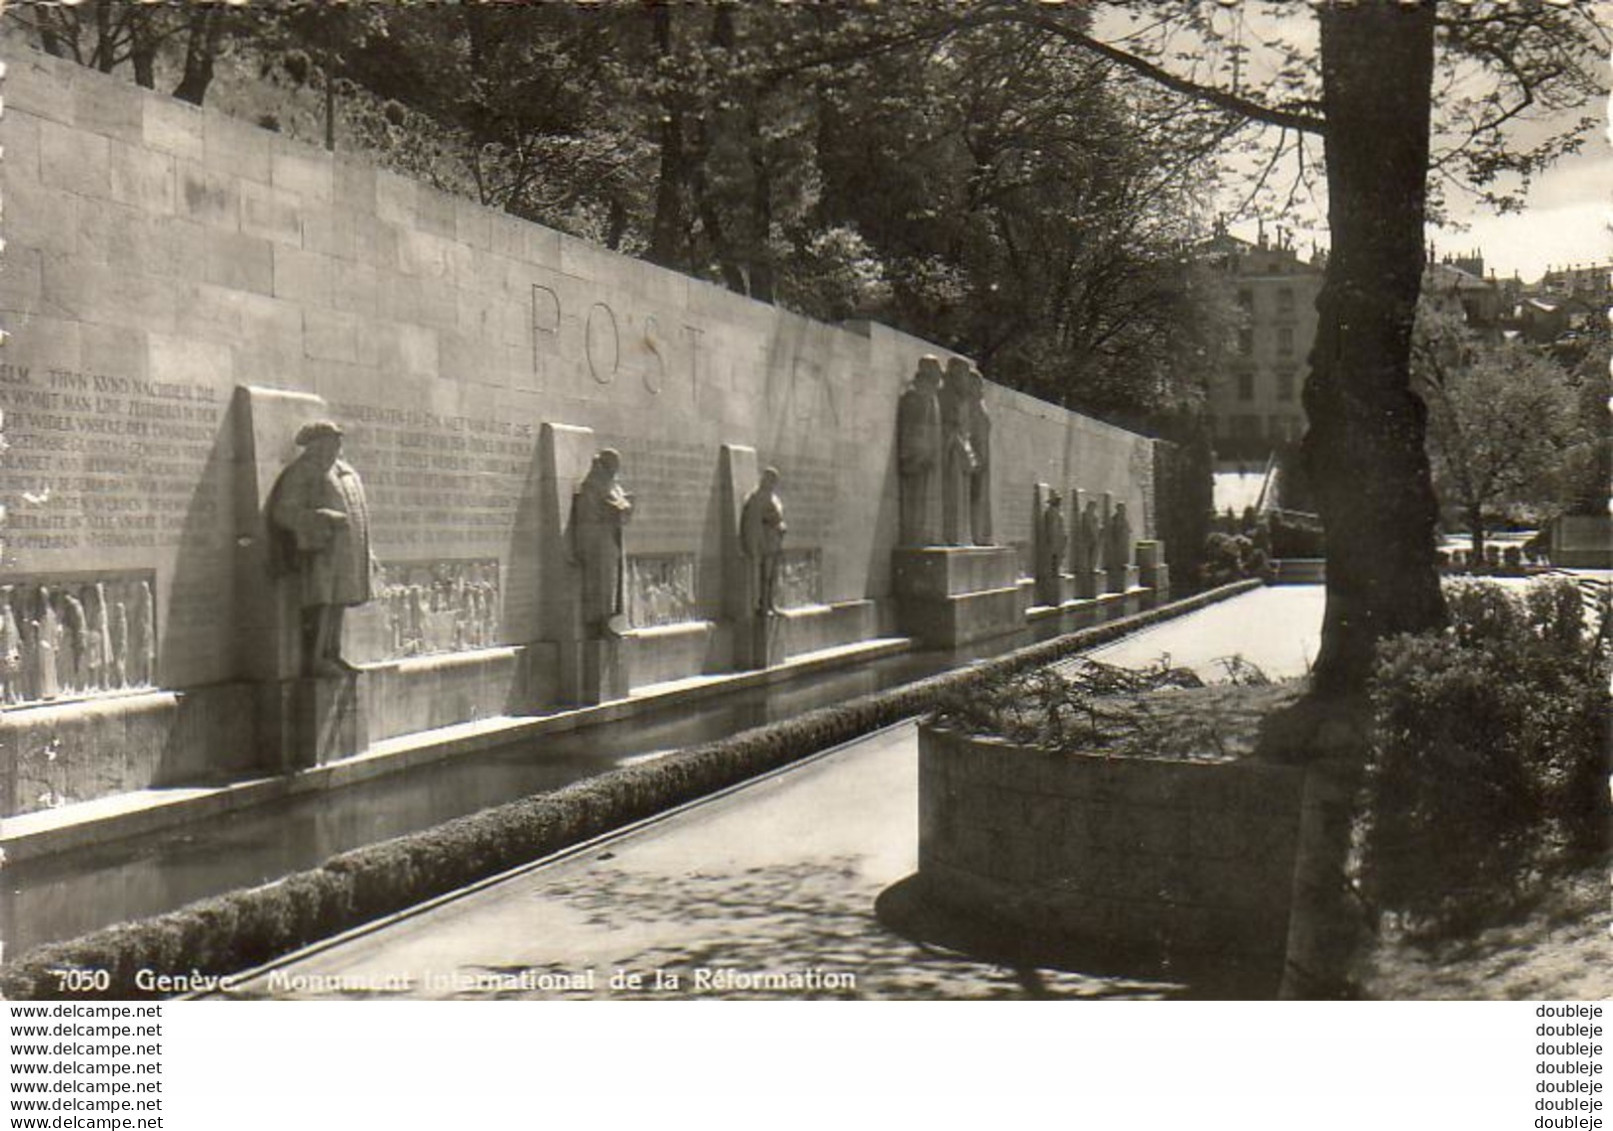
(1153, 857)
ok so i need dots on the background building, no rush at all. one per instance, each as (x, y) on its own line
(1254, 401)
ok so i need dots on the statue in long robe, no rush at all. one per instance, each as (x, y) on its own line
(1117, 541)
(918, 453)
(761, 539)
(600, 509)
(958, 458)
(1051, 538)
(980, 524)
(1091, 536)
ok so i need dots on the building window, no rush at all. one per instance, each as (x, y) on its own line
(1246, 385)
(1285, 384)
(1246, 342)
(1285, 341)
(1246, 427)
(1285, 300)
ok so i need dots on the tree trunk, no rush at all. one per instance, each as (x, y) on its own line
(1475, 526)
(143, 53)
(201, 45)
(666, 228)
(1364, 452)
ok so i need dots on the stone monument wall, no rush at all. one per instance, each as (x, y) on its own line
(159, 257)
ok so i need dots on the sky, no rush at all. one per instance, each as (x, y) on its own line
(1567, 221)
(1568, 214)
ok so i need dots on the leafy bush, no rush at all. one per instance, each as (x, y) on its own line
(1234, 557)
(1491, 755)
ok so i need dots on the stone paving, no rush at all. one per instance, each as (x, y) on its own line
(768, 891)
(1277, 628)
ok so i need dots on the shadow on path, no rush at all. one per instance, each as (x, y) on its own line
(809, 919)
(1043, 962)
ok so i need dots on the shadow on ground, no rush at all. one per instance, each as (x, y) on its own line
(1042, 961)
(810, 920)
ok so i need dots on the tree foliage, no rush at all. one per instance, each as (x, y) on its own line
(1016, 180)
(986, 188)
(1505, 427)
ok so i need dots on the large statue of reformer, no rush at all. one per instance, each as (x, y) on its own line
(600, 509)
(761, 539)
(322, 525)
(918, 450)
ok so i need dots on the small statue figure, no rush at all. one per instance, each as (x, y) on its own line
(761, 539)
(1117, 539)
(599, 510)
(958, 458)
(918, 446)
(318, 510)
(1050, 550)
(1091, 535)
(980, 443)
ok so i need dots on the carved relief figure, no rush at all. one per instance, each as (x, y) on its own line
(47, 647)
(318, 512)
(145, 636)
(11, 664)
(918, 451)
(119, 673)
(101, 650)
(78, 666)
(1050, 549)
(599, 510)
(958, 458)
(1091, 535)
(980, 443)
(761, 539)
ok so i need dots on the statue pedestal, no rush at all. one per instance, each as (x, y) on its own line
(1123, 579)
(1091, 583)
(951, 595)
(311, 721)
(761, 642)
(1152, 572)
(1053, 592)
(599, 670)
(1158, 583)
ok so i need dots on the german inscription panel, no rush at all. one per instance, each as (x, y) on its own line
(436, 479)
(98, 460)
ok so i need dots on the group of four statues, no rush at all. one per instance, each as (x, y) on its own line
(944, 456)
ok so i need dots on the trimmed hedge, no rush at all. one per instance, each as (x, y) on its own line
(242, 929)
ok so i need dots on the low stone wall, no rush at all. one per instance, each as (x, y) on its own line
(1301, 571)
(1167, 856)
(55, 754)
